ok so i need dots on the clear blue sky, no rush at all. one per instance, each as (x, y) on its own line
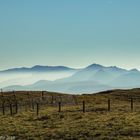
(74, 33)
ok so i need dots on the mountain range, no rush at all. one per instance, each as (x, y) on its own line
(93, 78)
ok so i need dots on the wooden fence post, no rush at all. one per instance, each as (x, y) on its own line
(42, 95)
(59, 107)
(37, 109)
(16, 107)
(109, 105)
(3, 108)
(83, 106)
(131, 104)
(11, 109)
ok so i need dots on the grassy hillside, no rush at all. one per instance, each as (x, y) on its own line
(97, 123)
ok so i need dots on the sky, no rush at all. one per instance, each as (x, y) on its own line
(73, 33)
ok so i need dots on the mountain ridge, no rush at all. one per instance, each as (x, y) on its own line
(94, 65)
(37, 68)
(93, 78)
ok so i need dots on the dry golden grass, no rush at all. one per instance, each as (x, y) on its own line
(72, 124)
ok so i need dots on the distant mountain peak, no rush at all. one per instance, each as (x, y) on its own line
(36, 66)
(134, 70)
(95, 66)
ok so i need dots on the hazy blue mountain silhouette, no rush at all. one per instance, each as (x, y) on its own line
(26, 76)
(130, 79)
(96, 72)
(38, 68)
(90, 79)
(73, 87)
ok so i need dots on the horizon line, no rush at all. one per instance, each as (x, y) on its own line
(68, 66)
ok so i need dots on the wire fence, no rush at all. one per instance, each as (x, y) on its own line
(18, 101)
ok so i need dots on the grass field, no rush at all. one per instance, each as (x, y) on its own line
(97, 123)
